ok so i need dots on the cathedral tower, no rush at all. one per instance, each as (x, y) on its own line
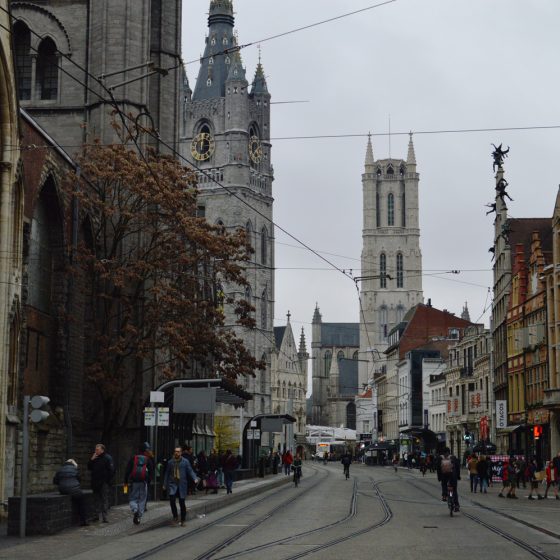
(391, 257)
(135, 44)
(226, 135)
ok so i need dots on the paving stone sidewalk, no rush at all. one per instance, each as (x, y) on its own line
(80, 540)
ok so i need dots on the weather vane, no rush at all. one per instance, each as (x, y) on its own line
(499, 155)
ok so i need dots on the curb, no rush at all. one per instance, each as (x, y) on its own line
(204, 508)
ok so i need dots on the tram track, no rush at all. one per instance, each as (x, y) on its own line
(161, 547)
(533, 550)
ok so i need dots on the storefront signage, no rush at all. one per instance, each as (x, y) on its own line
(453, 406)
(501, 414)
(476, 402)
(539, 416)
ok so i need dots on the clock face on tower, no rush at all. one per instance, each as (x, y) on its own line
(255, 149)
(202, 146)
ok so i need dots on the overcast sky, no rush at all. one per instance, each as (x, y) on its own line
(426, 65)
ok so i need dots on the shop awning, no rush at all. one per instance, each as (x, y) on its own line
(509, 429)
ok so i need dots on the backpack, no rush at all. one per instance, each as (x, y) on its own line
(139, 468)
(446, 465)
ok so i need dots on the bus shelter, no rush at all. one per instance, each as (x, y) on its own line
(254, 445)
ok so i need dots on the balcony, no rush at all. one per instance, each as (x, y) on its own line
(552, 399)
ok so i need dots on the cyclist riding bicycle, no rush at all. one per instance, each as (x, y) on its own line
(296, 467)
(448, 473)
(346, 461)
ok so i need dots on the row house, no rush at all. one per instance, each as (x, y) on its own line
(551, 399)
(527, 348)
(468, 390)
(417, 351)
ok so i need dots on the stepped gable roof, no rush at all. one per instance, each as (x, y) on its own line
(340, 334)
(347, 378)
(279, 336)
(521, 233)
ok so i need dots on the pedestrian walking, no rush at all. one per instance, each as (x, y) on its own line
(472, 465)
(287, 460)
(482, 471)
(189, 456)
(175, 481)
(346, 461)
(275, 462)
(532, 468)
(67, 478)
(230, 464)
(102, 472)
(138, 475)
(551, 479)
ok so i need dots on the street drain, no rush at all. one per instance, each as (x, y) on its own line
(430, 527)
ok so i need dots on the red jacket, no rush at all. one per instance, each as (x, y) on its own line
(287, 458)
(549, 473)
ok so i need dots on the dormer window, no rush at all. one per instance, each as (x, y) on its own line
(402, 170)
(225, 41)
(209, 82)
(213, 41)
(390, 170)
(211, 60)
(227, 60)
(234, 89)
(235, 72)
(379, 173)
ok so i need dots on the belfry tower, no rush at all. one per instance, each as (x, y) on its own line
(391, 259)
(226, 135)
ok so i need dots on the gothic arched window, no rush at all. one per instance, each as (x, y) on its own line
(340, 355)
(382, 270)
(355, 355)
(249, 233)
(403, 209)
(328, 360)
(390, 210)
(377, 210)
(384, 321)
(400, 313)
(400, 275)
(46, 81)
(390, 170)
(264, 246)
(22, 44)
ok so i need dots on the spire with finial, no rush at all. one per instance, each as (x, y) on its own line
(259, 83)
(317, 315)
(236, 71)
(302, 345)
(465, 314)
(369, 156)
(411, 157)
(288, 315)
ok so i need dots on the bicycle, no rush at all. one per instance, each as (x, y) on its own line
(450, 500)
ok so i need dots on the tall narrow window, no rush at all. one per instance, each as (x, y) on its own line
(264, 310)
(382, 270)
(400, 276)
(384, 321)
(264, 246)
(328, 359)
(377, 210)
(403, 210)
(390, 210)
(46, 82)
(22, 43)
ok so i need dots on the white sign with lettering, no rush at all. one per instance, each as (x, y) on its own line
(501, 414)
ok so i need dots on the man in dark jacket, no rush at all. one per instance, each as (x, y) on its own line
(448, 473)
(102, 472)
(67, 478)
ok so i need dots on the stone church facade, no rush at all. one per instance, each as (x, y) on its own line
(391, 281)
(226, 136)
(289, 376)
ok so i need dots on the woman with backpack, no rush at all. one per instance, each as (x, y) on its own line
(137, 476)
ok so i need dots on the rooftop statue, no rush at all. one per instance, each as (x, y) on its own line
(498, 154)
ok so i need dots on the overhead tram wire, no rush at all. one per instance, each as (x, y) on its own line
(291, 32)
(123, 116)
